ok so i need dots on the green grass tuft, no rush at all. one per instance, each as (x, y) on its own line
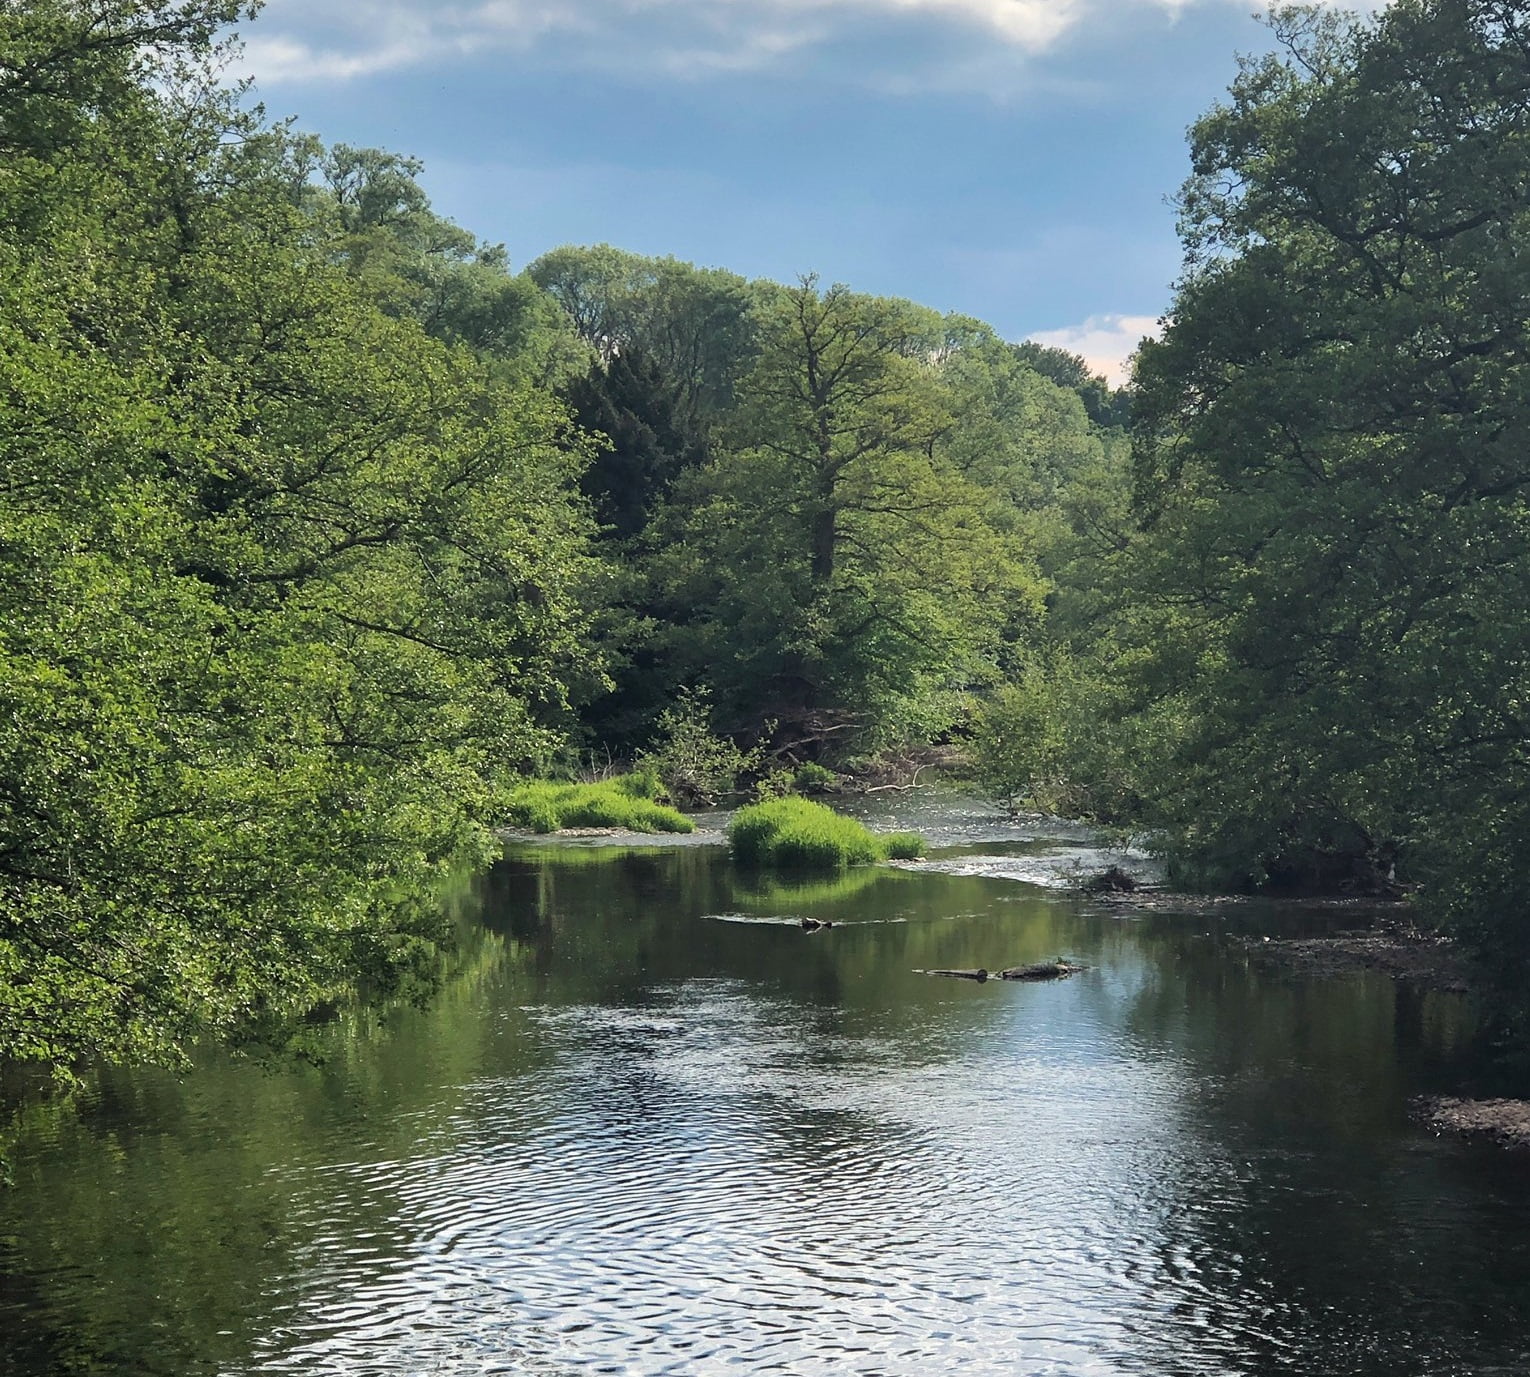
(903, 846)
(797, 834)
(542, 806)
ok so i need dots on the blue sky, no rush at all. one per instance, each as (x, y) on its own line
(1011, 159)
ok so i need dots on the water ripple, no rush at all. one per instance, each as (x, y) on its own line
(699, 1196)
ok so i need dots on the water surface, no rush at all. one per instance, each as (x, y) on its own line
(653, 1126)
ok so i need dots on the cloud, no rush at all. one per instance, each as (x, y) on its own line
(1106, 343)
(298, 41)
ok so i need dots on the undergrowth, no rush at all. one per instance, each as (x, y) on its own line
(625, 802)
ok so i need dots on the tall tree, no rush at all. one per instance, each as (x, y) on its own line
(1331, 444)
(286, 586)
(695, 323)
(848, 572)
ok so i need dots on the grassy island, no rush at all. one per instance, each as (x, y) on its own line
(545, 806)
(796, 833)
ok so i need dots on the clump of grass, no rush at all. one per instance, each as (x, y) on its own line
(903, 846)
(796, 833)
(642, 782)
(542, 806)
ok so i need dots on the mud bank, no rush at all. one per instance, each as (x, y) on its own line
(1398, 950)
(1501, 1123)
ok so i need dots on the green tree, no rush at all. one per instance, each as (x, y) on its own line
(846, 577)
(695, 323)
(634, 406)
(287, 587)
(417, 263)
(1330, 460)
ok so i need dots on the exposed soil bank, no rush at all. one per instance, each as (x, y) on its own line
(1503, 1123)
(1397, 949)
(1388, 943)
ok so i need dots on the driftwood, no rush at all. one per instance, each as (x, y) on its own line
(1041, 970)
(1113, 880)
(897, 788)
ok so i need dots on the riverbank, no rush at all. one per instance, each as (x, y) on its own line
(1384, 937)
(1500, 1123)
(1393, 947)
(1389, 944)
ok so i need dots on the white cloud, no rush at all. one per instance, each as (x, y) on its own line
(296, 41)
(1030, 24)
(299, 41)
(1106, 343)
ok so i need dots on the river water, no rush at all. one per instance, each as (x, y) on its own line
(654, 1126)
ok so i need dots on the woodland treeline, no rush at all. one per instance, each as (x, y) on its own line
(323, 526)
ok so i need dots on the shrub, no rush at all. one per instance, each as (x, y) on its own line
(813, 778)
(695, 765)
(796, 833)
(546, 807)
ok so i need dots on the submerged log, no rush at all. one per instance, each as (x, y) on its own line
(979, 974)
(1042, 970)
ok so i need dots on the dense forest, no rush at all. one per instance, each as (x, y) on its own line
(323, 527)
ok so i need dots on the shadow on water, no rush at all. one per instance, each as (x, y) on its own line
(653, 1125)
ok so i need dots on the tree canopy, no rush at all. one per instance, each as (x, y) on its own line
(322, 529)
(285, 583)
(1308, 656)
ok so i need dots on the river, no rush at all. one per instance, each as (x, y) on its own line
(654, 1126)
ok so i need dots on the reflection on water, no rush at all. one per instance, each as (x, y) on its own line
(654, 1126)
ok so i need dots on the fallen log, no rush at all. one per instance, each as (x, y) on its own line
(1042, 970)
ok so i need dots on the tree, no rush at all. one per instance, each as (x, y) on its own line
(633, 411)
(696, 324)
(417, 263)
(633, 405)
(845, 575)
(1330, 454)
(1106, 406)
(287, 587)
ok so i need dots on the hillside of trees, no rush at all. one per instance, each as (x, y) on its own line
(323, 526)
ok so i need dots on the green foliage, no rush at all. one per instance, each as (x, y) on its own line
(415, 263)
(694, 764)
(548, 807)
(797, 833)
(813, 778)
(1322, 613)
(634, 405)
(288, 587)
(841, 575)
(1054, 739)
(903, 846)
(696, 324)
(642, 782)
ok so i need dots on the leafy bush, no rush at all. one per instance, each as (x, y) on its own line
(1054, 739)
(546, 807)
(694, 764)
(813, 778)
(796, 833)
